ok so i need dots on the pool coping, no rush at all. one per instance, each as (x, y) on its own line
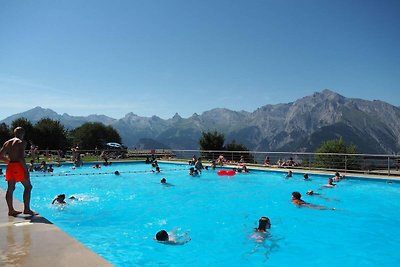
(33, 241)
(350, 175)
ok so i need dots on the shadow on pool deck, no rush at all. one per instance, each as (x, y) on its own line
(28, 241)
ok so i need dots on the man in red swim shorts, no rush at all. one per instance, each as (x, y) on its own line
(13, 152)
(15, 171)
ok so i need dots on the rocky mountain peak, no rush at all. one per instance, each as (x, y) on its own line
(374, 126)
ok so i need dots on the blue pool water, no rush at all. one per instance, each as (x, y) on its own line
(118, 217)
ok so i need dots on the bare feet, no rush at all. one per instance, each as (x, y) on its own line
(14, 213)
(30, 212)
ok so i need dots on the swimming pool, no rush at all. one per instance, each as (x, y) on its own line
(118, 217)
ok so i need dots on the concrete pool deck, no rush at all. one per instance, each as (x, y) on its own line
(27, 241)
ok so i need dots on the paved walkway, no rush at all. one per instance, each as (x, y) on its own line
(27, 241)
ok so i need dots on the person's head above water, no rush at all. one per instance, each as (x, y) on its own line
(162, 236)
(59, 198)
(263, 224)
(310, 192)
(296, 195)
(116, 173)
(163, 180)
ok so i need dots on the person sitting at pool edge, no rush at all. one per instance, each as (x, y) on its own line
(267, 161)
(147, 161)
(296, 199)
(263, 224)
(59, 199)
(213, 165)
(220, 160)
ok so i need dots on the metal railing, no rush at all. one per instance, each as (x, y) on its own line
(358, 163)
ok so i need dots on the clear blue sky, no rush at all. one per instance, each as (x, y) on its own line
(161, 57)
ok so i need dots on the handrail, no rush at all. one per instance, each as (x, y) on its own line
(367, 163)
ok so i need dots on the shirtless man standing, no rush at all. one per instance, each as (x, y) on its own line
(13, 152)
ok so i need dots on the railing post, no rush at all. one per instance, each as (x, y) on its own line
(345, 164)
(388, 162)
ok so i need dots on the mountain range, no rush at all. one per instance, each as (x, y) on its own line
(373, 126)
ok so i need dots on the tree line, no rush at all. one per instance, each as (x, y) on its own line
(215, 141)
(52, 135)
(211, 141)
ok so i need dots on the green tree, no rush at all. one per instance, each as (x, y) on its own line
(335, 146)
(94, 134)
(5, 133)
(50, 134)
(212, 141)
(233, 146)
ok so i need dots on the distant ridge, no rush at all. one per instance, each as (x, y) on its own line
(373, 126)
(70, 122)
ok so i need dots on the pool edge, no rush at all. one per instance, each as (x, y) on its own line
(28, 241)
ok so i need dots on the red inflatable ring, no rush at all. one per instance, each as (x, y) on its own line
(221, 172)
(230, 173)
(226, 173)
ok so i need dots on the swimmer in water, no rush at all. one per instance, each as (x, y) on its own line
(289, 174)
(117, 173)
(163, 181)
(263, 224)
(59, 199)
(193, 172)
(74, 198)
(312, 193)
(330, 183)
(306, 178)
(172, 238)
(96, 166)
(260, 233)
(296, 199)
(337, 177)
